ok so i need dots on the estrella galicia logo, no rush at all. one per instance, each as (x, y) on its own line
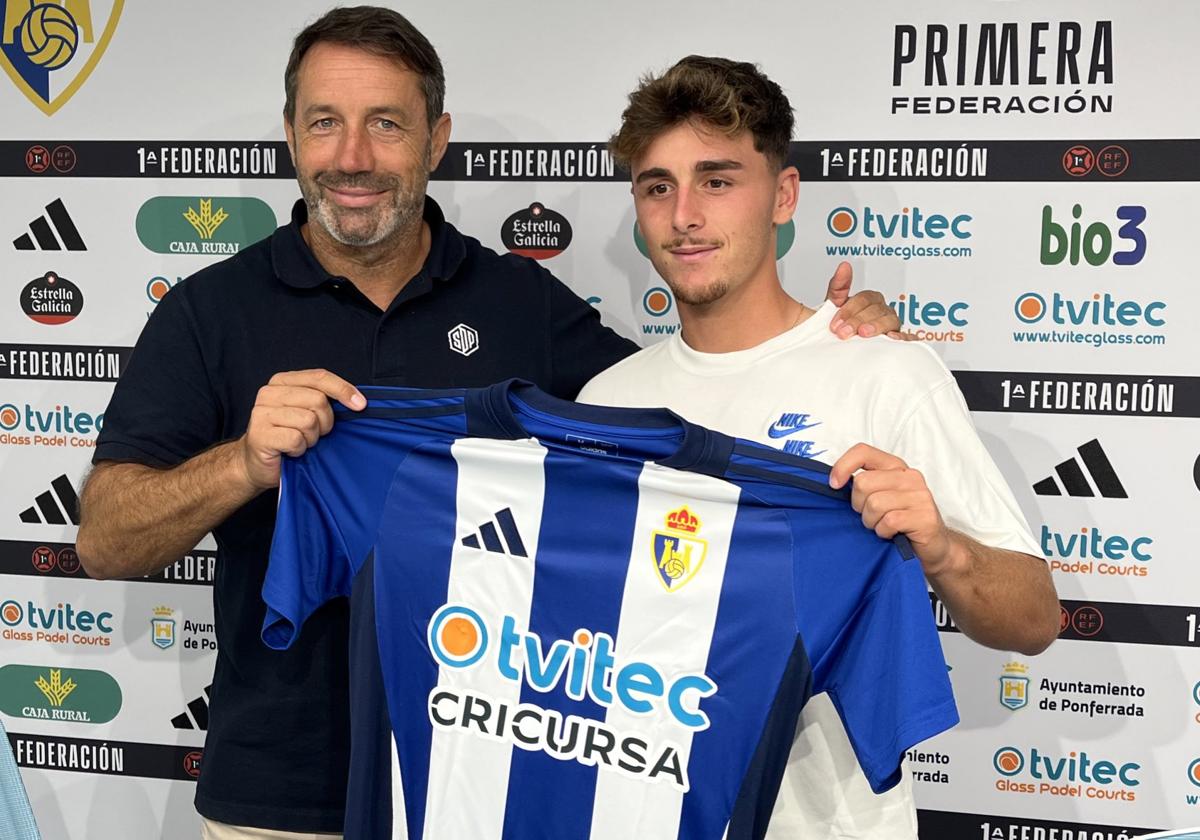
(50, 47)
(785, 237)
(193, 225)
(536, 232)
(51, 299)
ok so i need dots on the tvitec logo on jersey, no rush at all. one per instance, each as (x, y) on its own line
(48, 48)
(909, 233)
(1093, 242)
(585, 666)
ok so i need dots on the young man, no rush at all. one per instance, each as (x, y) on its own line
(366, 285)
(706, 144)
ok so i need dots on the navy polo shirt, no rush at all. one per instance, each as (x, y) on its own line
(278, 739)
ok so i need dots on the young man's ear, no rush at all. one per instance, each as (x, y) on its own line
(787, 194)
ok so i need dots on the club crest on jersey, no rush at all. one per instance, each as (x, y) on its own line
(677, 552)
(50, 47)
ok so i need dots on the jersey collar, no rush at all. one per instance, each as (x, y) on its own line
(495, 412)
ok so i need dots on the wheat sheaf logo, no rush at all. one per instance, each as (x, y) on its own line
(206, 221)
(56, 690)
(677, 551)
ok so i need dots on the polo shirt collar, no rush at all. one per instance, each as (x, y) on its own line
(295, 264)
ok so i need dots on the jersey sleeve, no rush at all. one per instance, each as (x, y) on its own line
(163, 409)
(886, 675)
(940, 440)
(309, 563)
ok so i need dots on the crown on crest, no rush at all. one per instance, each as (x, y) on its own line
(1015, 668)
(683, 520)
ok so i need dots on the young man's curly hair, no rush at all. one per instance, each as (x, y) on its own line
(728, 96)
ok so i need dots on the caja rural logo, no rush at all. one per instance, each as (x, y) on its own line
(1076, 774)
(584, 666)
(49, 48)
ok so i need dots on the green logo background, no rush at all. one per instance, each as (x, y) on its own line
(161, 222)
(96, 693)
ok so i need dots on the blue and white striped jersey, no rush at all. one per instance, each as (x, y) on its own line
(583, 622)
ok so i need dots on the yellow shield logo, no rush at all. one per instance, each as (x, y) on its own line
(676, 551)
(50, 47)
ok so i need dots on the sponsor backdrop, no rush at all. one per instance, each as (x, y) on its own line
(1017, 180)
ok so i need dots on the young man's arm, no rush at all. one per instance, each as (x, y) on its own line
(136, 519)
(1002, 599)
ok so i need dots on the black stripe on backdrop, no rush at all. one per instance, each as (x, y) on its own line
(1107, 621)
(818, 160)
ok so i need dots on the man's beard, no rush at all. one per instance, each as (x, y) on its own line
(687, 293)
(363, 226)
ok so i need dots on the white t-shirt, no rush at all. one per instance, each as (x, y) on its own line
(807, 392)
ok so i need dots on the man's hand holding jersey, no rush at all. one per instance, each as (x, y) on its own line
(985, 589)
(290, 414)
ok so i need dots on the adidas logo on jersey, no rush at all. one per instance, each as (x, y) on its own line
(1074, 472)
(488, 538)
(43, 228)
(46, 508)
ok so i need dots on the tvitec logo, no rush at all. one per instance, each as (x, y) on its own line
(1089, 552)
(61, 426)
(918, 233)
(585, 666)
(1076, 774)
(60, 624)
(931, 320)
(1094, 244)
(1097, 315)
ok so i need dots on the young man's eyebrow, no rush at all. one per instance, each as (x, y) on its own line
(717, 165)
(652, 172)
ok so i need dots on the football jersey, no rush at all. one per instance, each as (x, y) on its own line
(583, 622)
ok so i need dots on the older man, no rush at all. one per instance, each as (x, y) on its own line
(235, 369)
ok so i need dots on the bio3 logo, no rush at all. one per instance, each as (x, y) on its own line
(1093, 242)
(586, 666)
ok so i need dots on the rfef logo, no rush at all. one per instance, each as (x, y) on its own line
(1093, 243)
(75, 695)
(536, 232)
(195, 225)
(51, 299)
(50, 48)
